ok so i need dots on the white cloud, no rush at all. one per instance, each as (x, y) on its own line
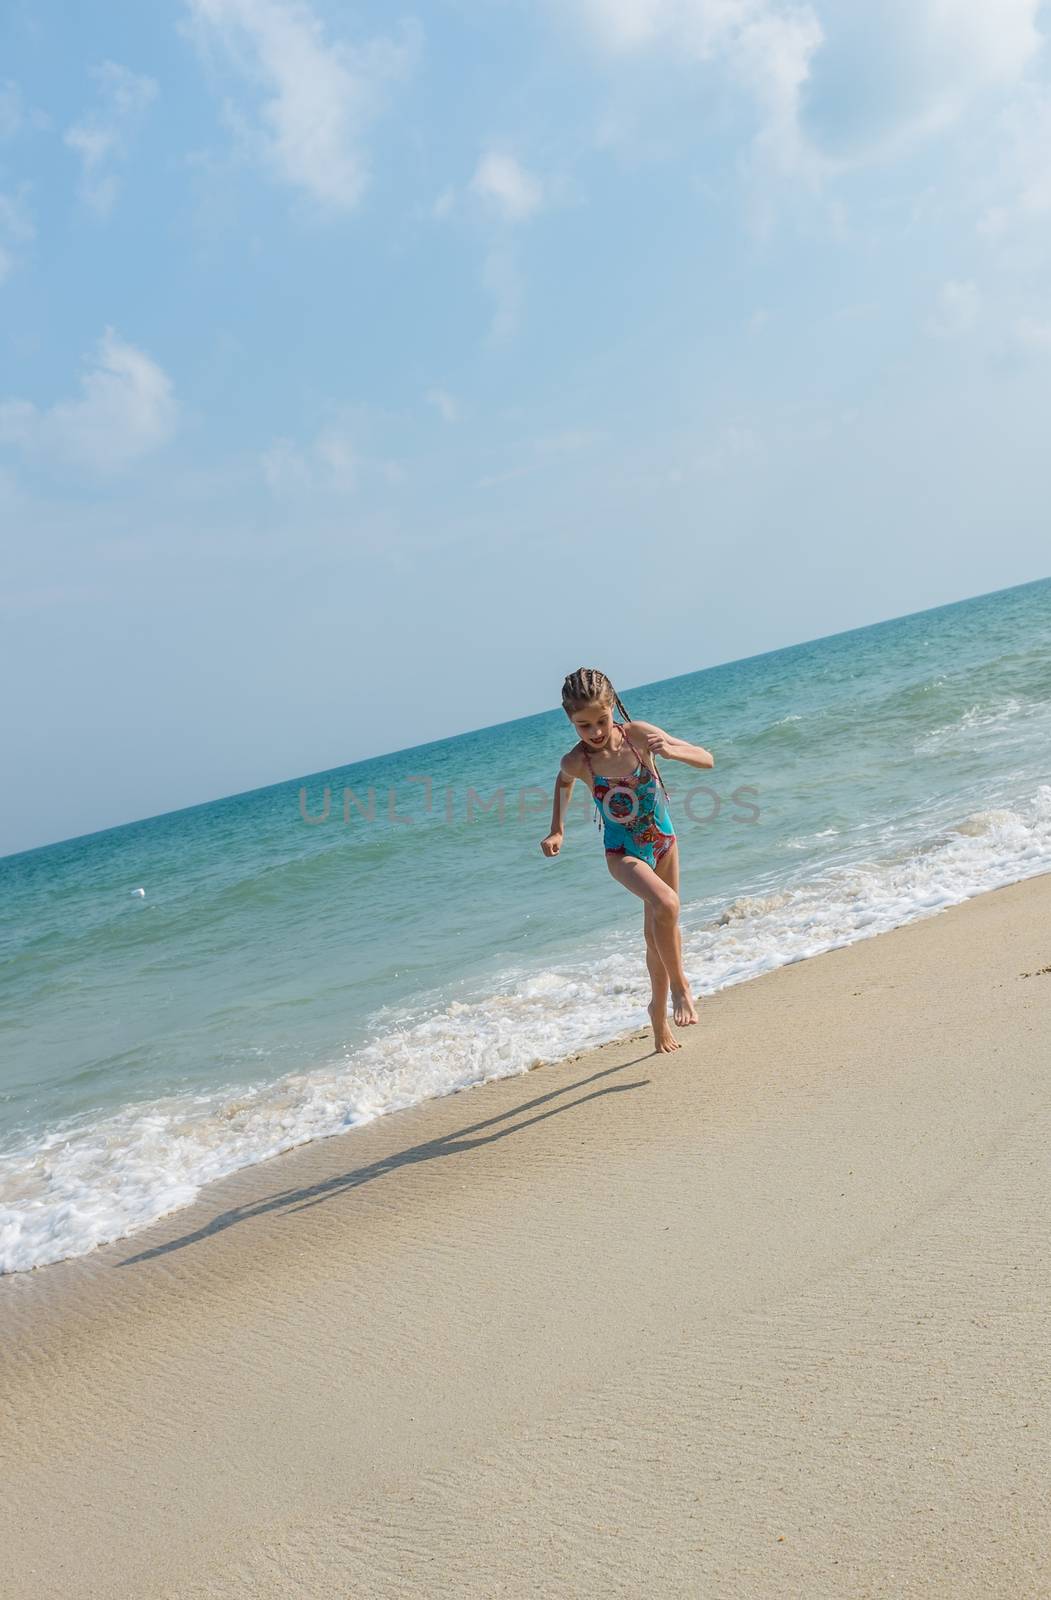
(702, 26)
(514, 194)
(507, 190)
(15, 229)
(11, 116)
(834, 82)
(506, 186)
(101, 139)
(1021, 178)
(543, 454)
(1035, 334)
(494, 480)
(730, 447)
(969, 44)
(338, 458)
(956, 311)
(329, 462)
(503, 282)
(623, 24)
(766, 46)
(126, 409)
(285, 467)
(568, 442)
(771, 57)
(317, 96)
(444, 404)
(896, 71)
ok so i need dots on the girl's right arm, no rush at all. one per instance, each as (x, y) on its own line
(563, 790)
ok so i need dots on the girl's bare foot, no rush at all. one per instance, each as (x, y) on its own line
(683, 1008)
(663, 1038)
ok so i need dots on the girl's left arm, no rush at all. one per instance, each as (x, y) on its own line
(666, 744)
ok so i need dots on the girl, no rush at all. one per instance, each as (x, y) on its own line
(641, 851)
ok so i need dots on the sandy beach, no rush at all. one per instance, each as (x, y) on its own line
(768, 1317)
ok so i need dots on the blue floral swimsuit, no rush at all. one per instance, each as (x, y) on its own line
(635, 818)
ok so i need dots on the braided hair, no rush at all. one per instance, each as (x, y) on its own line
(588, 687)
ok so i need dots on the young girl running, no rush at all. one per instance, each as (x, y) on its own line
(641, 850)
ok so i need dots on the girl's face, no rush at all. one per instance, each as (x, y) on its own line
(594, 724)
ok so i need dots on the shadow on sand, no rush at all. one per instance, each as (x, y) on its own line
(472, 1137)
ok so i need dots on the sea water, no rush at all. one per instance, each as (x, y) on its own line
(306, 957)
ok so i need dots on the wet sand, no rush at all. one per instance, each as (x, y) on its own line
(767, 1317)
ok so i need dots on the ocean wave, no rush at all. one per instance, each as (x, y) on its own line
(977, 718)
(85, 1184)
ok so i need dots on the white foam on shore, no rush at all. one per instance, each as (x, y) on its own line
(82, 1186)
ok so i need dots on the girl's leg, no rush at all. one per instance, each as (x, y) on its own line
(663, 902)
(663, 1037)
(683, 1006)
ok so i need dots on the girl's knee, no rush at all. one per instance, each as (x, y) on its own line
(667, 907)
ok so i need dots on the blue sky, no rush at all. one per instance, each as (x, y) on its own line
(363, 371)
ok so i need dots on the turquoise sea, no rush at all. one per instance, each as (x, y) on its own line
(189, 994)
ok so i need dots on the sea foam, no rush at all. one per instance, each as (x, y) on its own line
(85, 1184)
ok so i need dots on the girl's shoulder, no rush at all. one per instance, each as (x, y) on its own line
(573, 761)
